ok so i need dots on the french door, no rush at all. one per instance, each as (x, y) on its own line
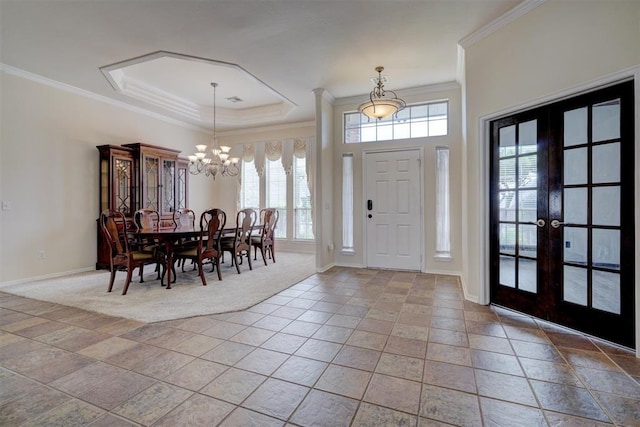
(562, 213)
(393, 209)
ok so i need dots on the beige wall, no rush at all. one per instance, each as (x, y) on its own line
(557, 48)
(49, 173)
(453, 140)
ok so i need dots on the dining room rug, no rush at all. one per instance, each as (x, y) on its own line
(150, 302)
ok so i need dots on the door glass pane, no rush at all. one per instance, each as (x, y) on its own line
(575, 127)
(575, 245)
(528, 207)
(527, 240)
(507, 206)
(508, 238)
(606, 120)
(507, 141)
(152, 180)
(606, 163)
(508, 174)
(575, 205)
(527, 274)
(575, 166)
(528, 137)
(168, 185)
(575, 285)
(606, 248)
(508, 271)
(527, 170)
(606, 291)
(606, 206)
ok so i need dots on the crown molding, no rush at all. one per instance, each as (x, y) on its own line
(520, 10)
(91, 95)
(249, 131)
(324, 94)
(414, 91)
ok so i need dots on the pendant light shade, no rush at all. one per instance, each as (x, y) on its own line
(381, 104)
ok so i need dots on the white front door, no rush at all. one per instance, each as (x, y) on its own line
(393, 200)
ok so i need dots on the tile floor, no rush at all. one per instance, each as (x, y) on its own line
(348, 347)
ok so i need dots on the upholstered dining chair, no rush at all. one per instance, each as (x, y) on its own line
(265, 241)
(239, 244)
(123, 258)
(208, 244)
(148, 219)
(185, 217)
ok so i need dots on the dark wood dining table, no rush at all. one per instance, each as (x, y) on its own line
(169, 236)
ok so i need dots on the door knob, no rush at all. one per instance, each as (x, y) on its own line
(555, 223)
(540, 223)
(369, 216)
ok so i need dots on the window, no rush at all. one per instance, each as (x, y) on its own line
(301, 201)
(279, 181)
(276, 192)
(414, 121)
(250, 192)
(347, 202)
(443, 238)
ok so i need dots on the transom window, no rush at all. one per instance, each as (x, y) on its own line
(415, 121)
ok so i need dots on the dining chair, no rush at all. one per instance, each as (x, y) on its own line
(208, 243)
(148, 219)
(239, 244)
(185, 217)
(265, 241)
(123, 258)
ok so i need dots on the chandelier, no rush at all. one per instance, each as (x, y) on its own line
(380, 105)
(214, 161)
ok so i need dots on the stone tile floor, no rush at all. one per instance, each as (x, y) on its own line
(349, 347)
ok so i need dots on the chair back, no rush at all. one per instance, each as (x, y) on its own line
(245, 220)
(114, 229)
(146, 218)
(184, 218)
(214, 221)
(269, 219)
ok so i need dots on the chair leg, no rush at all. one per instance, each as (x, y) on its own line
(249, 259)
(273, 253)
(111, 279)
(126, 283)
(201, 273)
(142, 274)
(235, 256)
(217, 264)
(262, 249)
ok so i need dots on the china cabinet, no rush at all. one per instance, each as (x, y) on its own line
(137, 176)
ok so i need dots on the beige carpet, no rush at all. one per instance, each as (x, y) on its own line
(149, 302)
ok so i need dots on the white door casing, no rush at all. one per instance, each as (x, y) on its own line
(393, 209)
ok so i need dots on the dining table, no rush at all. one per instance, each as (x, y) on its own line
(169, 236)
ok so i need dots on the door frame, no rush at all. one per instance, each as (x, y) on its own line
(483, 184)
(420, 151)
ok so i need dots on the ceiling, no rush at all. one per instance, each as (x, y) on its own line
(271, 54)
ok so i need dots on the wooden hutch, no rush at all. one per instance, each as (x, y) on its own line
(137, 176)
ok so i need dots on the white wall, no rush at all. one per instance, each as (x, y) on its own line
(558, 47)
(49, 173)
(449, 92)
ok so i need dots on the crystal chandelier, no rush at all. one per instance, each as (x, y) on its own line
(216, 161)
(380, 105)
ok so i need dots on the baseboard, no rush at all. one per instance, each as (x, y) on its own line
(46, 276)
(326, 267)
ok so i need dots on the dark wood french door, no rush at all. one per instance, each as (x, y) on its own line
(562, 213)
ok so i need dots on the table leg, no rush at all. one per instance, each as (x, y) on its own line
(169, 248)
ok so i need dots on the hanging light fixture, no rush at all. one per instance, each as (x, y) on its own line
(380, 104)
(217, 161)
